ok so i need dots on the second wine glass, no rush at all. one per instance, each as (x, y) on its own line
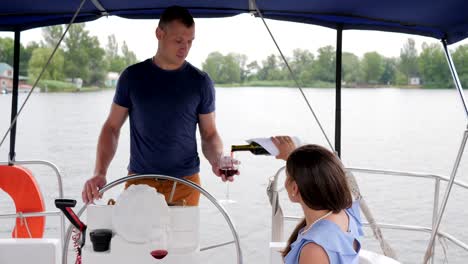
(229, 167)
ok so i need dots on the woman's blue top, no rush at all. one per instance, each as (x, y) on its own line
(337, 244)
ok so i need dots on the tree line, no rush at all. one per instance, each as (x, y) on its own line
(373, 69)
(80, 55)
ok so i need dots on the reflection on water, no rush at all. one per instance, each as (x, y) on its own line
(395, 129)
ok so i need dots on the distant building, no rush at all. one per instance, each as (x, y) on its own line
(6, 79)
(111, 79)
(77, 82)
(6, 76)
(414, 81)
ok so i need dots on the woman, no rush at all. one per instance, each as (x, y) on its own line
(316, 180)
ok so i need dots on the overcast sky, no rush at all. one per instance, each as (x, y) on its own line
(243, 34)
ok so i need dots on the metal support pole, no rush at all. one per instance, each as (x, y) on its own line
(456, 80)
(435, 229)
(435, 210)
(14, 97)
(459, 87)
(339, 45)
(277, 216)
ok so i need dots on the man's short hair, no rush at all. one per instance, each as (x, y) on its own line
(178, 13)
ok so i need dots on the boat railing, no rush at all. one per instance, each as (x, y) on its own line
(59, 177)
(278, 217)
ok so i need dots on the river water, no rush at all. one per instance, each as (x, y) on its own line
(394, 129)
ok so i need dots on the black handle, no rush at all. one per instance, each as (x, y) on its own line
(65, 206)
(61, 203)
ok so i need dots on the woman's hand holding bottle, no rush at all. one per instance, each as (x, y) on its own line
(285, 146)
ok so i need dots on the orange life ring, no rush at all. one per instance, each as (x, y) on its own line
(21, 185)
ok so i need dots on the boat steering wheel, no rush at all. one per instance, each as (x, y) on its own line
(164, 177)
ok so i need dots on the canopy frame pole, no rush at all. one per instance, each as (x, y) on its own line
(455, 77)
(15, 117)
(14, 97)
(100, 7)
(338, 72)
(435, 228)
(459, 87)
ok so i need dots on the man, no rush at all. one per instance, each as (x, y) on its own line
(165, 98)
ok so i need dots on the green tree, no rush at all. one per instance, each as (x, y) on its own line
(409, 59)
(129, 57)
(252, 70)
(270, 69)
(283, 73)
(84, 56)
(372, 67)
(112, 47)
(433, 67)
(39, 58)
(75, 52)
(388, 76)
(6, 50)
(302, 64)
(224, 69)
(231, 71)
(460, 58)
(242, 62)
(400, 78)
(96, 63)
(302, 60)
(351, 68)
(213, 65)
(116, 62)
(325, 64)
(52, 35)
(25, 56)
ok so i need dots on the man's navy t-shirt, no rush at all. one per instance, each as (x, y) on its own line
(163, 110)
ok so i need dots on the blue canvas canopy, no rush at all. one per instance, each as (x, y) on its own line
(446, 20)
(441, 19)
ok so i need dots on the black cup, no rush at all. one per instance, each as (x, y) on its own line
(101, 239)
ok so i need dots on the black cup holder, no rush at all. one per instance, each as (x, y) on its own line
(101, 239)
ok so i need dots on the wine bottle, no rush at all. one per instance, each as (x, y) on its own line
(253, 147)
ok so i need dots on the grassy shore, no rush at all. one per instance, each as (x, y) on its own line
(317, 84)
(286, 83)
(52, 86)
(58, 86)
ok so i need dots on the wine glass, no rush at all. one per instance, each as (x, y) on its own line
(228, 166)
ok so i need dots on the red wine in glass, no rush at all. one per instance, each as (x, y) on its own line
(228, 167)
(228, 171)
(159, 253)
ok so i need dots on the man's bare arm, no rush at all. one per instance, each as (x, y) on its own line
(106, 148)
(212, 145)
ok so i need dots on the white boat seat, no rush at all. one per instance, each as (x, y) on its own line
(369, 257)
(30, 250)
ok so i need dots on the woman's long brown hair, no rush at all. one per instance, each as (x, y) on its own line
(321, 180)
